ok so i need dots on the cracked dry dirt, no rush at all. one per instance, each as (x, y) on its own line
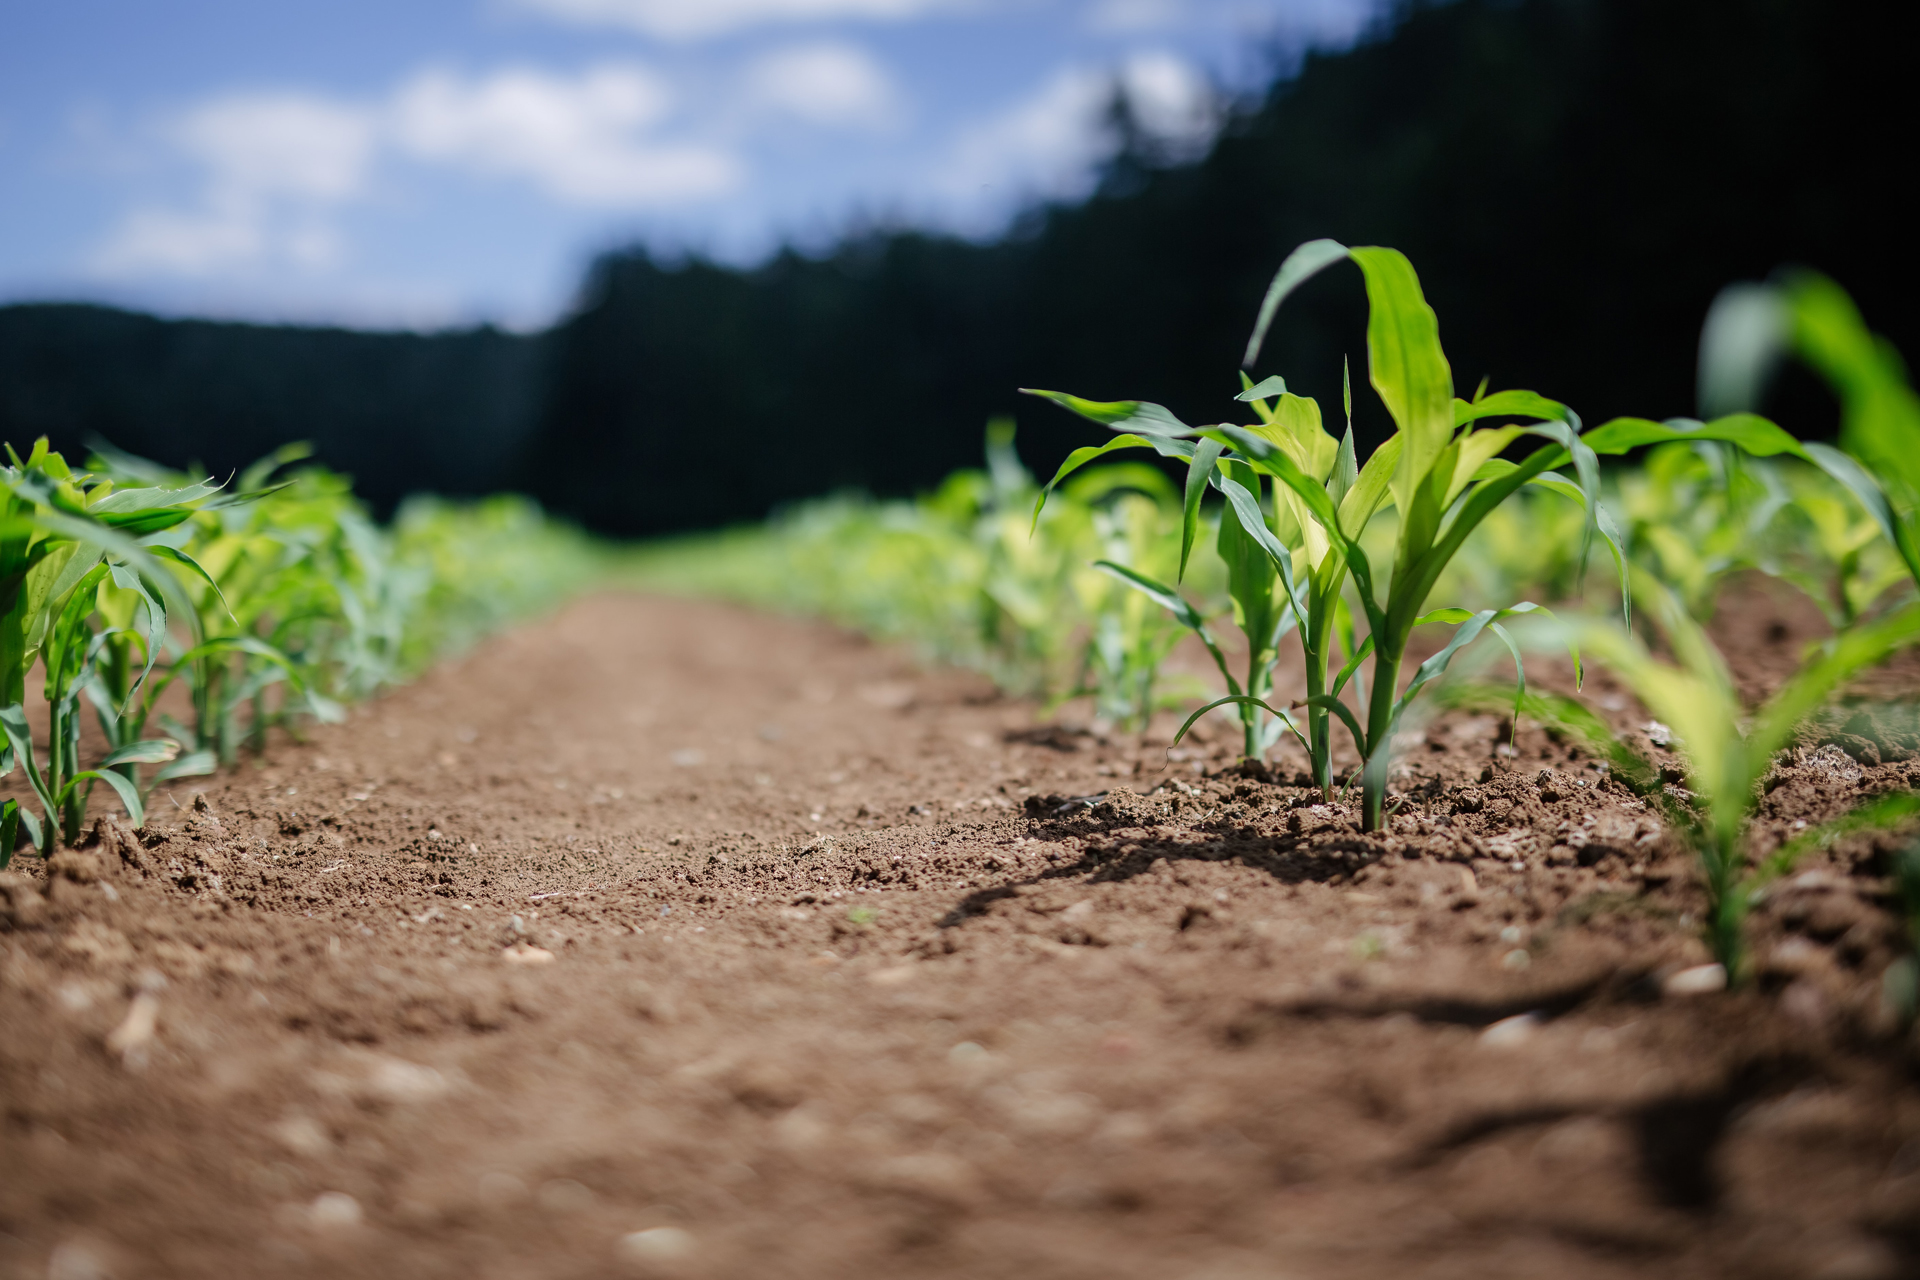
(670, 939)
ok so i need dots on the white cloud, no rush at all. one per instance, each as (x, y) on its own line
(275, 169)
(260, 154)
(697, 19)
(828, 83)
(581, 139)
(260, 145)
(1051, 144)
(1170, 98)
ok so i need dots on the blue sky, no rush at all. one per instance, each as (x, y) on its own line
(421, 163)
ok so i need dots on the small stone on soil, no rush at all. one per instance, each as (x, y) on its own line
(1700, 980)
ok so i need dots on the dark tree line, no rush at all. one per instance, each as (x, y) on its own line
(450, 412)
(1574, 179)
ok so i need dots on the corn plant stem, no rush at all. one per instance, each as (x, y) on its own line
(1315, 639)
(1386, 680)
(1258, 674)
(258, 730)
(1725, 930)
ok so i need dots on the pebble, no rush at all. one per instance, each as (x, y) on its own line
(135, 1033)
(526, 953)
(1700, 980)
(334, 1210)
(656, 1244)
(1511, 1031)
(75, 1261)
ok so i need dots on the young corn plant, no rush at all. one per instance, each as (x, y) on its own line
(1441, 470)
(1128, 636)
(1807, 315)
(1729, 751)
(62, 536)
(259, 572)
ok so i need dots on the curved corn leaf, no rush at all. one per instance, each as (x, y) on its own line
(1078, 458)
(1751, 432)
(1243, 700)
(1164, 596)
(1206, 456)
(122, 787)
(146, 751)
(1872, 497)
(1305, 262)
(1515, 404)
(1265, 389)
(193, 764)
(13, 722)
(1406, 365)
(1838, 660)
(1875, 815)
(1121, 415)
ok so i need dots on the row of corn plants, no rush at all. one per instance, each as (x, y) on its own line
(261, 603)
(1733, 493)
(1326, 563)
(970, 576)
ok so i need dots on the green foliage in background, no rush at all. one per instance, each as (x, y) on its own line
(967, 575)
(268, 602)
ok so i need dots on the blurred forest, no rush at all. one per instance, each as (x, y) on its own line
(1574, 179)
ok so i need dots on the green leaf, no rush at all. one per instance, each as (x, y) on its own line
(1513, 404)
(1408, 369)
(1245, 508)
(1331, 702)
(1233, 698)
(1876, 815)
(122, 787)
(32, 824)
(1265, 389)
(1121, 415)
(193, 566)
(1164, 596)
(1837, 662)
(1346, 470)
(13, 722)
(193, 764)
(1879, 412)
(1867, 491)
(146, 751)
(1206, 456)
(1078, 458)
(1300, 266)
(1746, 331)
(1751, 432)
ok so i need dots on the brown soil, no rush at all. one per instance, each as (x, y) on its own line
(746, 936)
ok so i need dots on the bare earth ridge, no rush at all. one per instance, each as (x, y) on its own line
(672, 939)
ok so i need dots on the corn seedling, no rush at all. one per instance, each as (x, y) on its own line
(1128, 636)
(1297, 505)
(64, 537)
(1878, 462)
(1728, 751)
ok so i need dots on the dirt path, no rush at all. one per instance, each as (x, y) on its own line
(670, 939)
